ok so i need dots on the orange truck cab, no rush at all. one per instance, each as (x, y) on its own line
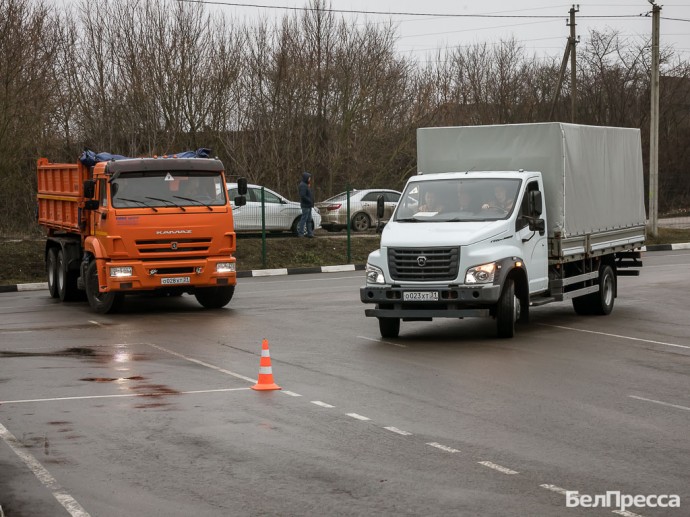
(131, 226)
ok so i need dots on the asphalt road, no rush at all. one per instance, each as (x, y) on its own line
(149, 412)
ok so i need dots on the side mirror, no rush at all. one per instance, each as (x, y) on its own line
(91, 204)
(242, 187)
(535, 203)
(537, 225)
(380, 206)
(89, 189)
(241, 200)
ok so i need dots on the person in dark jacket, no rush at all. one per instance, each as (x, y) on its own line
(306, 202)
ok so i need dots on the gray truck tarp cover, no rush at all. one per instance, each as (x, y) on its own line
(592, 175)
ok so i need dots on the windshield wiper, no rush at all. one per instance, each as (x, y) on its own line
(138, 201)
(408, 220)
(167, 201)
(194, 201)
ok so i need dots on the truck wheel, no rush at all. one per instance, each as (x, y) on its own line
(214, 297)
(389, 327)
(507, 310)
(102, 303)
(601, 302)
(51, 271)
(66, 280)
(361, 222)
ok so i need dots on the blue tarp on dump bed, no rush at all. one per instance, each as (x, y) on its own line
(90, 158)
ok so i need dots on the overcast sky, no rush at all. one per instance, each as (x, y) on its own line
(420, 35)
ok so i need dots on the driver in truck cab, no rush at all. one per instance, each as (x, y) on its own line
(500, 200)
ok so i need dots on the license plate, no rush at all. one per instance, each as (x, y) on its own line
(420, 296)
(175, 280)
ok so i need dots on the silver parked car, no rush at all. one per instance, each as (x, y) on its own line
(362, 209)
(281, 213)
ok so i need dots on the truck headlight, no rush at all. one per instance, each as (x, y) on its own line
(483, 274)
(374, 275)
(121, 271)
(225, 267)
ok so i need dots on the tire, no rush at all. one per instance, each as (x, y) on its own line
(214, 297)
(51, 272)
(103, 303)
(389, 327)
(66, 280)
(293, 228)
(361, 222)
(601, 302)
(507, 311)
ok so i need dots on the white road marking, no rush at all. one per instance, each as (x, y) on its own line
(555, 488)
(291, 393)
(202, 363)
(97, 323)
(322, 404)
(381, 341)
(398, 431)
(660, 402)
(616, 335)
(121, 395)
(625, 513)
(66, 500)
(497, 467)
(358, 417)
(443, 447)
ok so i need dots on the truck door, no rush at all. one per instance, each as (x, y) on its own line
(534, 245)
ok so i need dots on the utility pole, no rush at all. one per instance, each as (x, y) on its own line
(654, 125)
(573, 70)
(569, 52)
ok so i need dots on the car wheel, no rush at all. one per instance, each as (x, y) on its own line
(361, 222)
(507, 311)
(215, 297)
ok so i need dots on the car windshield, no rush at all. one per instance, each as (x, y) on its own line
(167, 188)
(460, 199)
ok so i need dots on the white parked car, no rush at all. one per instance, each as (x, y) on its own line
(281, 213)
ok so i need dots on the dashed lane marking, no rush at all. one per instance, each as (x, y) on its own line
(321, 404)
(498, 467)
(358, 417)
(555, 488)
(443, 447)
(398, 431)
(291, 393)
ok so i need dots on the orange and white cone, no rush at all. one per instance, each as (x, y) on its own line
(265, 381)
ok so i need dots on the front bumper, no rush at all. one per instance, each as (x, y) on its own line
(453, 302)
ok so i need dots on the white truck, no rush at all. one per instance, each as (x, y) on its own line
(503, 218)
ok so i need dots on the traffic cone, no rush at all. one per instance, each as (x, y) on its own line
(265, 381)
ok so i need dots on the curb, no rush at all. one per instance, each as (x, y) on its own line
(38, 286)
(304, 270)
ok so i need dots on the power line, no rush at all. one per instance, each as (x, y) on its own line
(389, 13)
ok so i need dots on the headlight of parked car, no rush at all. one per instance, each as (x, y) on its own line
(374, 275)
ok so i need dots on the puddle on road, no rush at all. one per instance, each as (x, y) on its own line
(81, 353)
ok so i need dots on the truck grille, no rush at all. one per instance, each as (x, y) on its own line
(184, 246)
(423, 264)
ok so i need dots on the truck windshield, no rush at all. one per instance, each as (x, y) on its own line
(460, 199)
(167, 189)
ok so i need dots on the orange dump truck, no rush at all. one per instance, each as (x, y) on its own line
(131, 226)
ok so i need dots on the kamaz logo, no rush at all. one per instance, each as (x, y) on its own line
(172, 232)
